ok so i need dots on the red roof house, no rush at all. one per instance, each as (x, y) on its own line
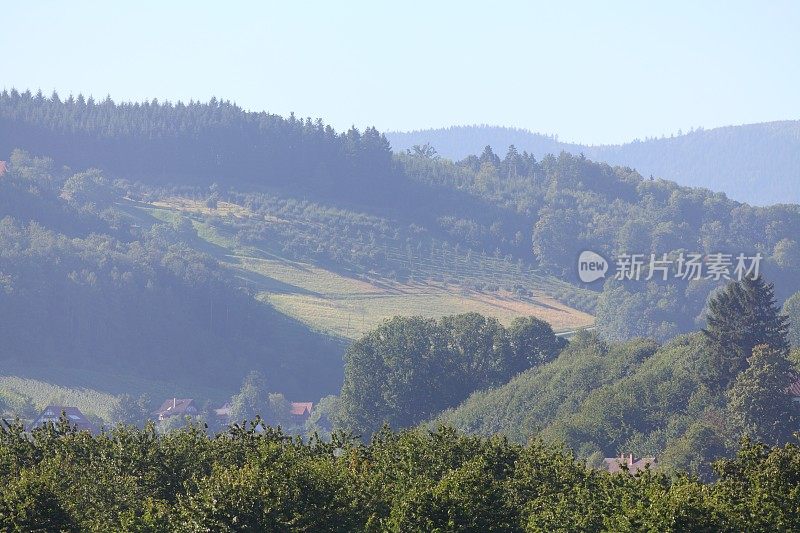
(176, 406)
(3, 167)
(615, 464)
(301, 410)
(794, 389)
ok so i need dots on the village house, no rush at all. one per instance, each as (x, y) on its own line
(52, 413)
(615, 464)
(176, 406)
(794, 390)
(300, 411)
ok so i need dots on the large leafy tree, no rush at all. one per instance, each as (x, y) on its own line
(252, 399)
(550, 245)
(479, 345)
(410, 369)
(740, 317)
(131, 411)
(759, 405)
(532, 343)
(396, 374)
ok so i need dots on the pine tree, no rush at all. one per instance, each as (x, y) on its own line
(740, 317)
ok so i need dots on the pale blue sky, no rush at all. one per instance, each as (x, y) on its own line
(589, 71)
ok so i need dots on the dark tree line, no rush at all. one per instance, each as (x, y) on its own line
(196, 143)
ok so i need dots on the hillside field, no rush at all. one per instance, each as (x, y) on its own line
(347, 306)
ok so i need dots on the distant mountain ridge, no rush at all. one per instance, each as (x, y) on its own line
(754, 163)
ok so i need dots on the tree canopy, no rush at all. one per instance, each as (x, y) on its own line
(410, 369)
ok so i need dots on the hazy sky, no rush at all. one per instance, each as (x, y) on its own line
(589, 71)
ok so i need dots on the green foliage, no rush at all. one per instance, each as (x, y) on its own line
(791, 308)
(755, 162)
(399, 373)
(128, 296)
(197, 143)
(637, 397)
(323, 414)
(29, 503)
(758, 403)
(484, 204)
(132, 479)
(255, 402)
(741, 317)
(13, 403)
(756, 487)
(131, 411)
(252, 398)
(532, 343)
(409, 369)
(653, 309)
(605, 399)
(546, 394)
(88, 188)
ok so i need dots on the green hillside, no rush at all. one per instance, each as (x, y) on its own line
(348, 304)
(539, 397)
(499, 219)
(603, 400)
(95, 298)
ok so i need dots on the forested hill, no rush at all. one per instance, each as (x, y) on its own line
(91, 286)
(521, 213)
(754, 163)
(196, 143)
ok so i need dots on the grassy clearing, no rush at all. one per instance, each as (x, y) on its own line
(194, 206)
(349, 307)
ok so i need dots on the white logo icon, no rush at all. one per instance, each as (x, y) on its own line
(591, 266)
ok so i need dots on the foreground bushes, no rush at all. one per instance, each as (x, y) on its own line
(244, 480)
